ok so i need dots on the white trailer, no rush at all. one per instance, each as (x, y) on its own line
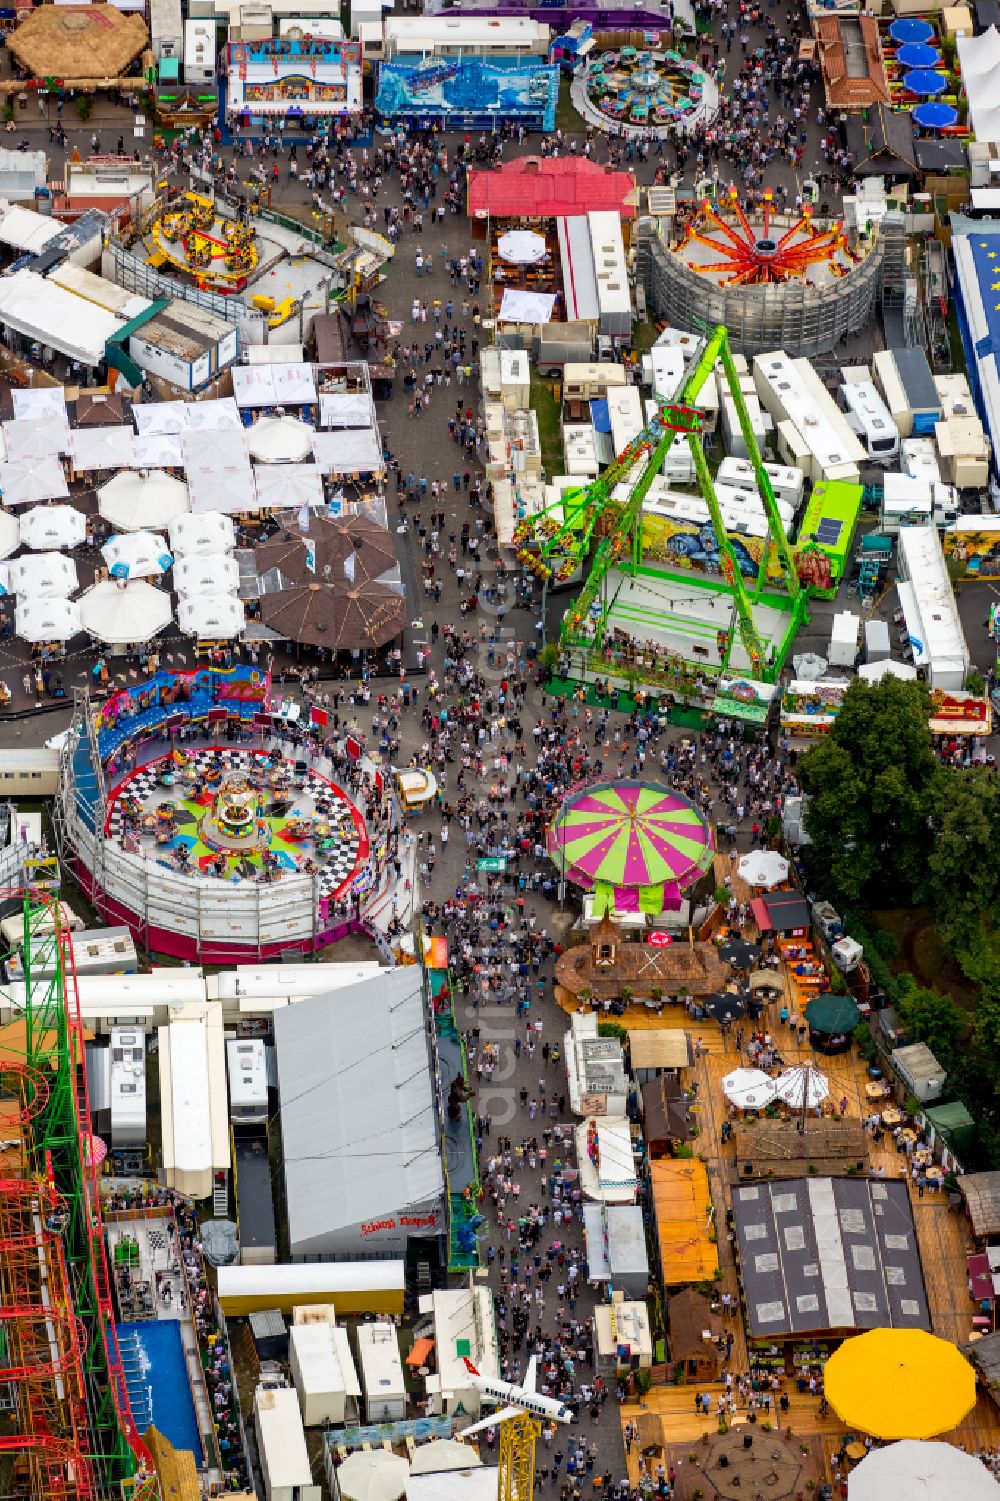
(787, 480)
(319, 1355)
(868, 417)
(381, 1373)
(166, 29)
(886, 379)
(614, 300)
(281, 1446)
(199, 51)
(246, 1065)
(128, 1087)
(791, 392)
(929, 609)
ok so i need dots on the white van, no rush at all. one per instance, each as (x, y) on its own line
(868, 416)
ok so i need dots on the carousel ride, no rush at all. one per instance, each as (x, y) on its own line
(645, 91)
(765, 247)
(240, 815)
(189, 235)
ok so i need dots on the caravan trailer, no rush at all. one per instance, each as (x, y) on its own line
(868, 416)
(787, 481)
(791, 392)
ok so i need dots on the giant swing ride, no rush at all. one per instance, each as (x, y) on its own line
(553, 543)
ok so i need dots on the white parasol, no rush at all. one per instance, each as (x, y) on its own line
(748, 1088)
(443, 1454)
(217, 618)
(46, 527)
(43, 575)
(38, 620)
(922, 1470)
(521, 247)
(280, 440)
(26, 482)
(10, 534)
(372, 1475)
(763, 868)
(216, 573)
(198, 536)
(802, 1087)
(137, 555)
(123, 614)
(135, 500)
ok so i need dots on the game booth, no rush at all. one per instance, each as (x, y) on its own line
(187, 820)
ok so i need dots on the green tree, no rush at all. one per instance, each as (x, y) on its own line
(963, 866)
(931, 1018)
(869, 784)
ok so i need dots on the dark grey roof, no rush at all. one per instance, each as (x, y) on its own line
(254, 1199)
(829, 1253)
(940, 156)
(918, 382)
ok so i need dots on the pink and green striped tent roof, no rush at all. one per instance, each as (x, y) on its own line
(630, 835)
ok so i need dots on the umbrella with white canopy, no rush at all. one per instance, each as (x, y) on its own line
(802, 1087)
(443, 1454)
(123, 614)
(198, 536)
(217, 618)
(137, 555)
(922, 1470)
(43, 575)
(763, 868)
(521, 247)
(216, 573)
(41, 620)
(10, 534)
(27, 482)
(372, 1475)
(748, 1088)
(47, 527)
(134, 500)
(280, 440)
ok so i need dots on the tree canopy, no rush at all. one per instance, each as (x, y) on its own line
(931, 1018)
(870, 783)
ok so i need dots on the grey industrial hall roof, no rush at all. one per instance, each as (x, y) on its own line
(358, 1111)
(822, 1254)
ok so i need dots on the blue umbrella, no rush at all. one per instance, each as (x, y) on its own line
(922, 81)
(935, 116)
(911, 29)
(918, 55)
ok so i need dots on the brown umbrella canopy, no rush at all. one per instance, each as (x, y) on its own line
(82, 42)
(342, 618)
(100, 411)
(335, 541)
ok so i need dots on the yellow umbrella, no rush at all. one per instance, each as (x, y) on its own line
(899, 1383)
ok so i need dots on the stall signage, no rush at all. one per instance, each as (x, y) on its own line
(496, 864)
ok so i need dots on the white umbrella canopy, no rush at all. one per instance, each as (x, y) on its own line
(212, 618)
(27, 482)
(748, 1088)
(47, 527)
(521, 247)
(200, 536)
(10, 534)
(135, 501)
(217, 573)
(921, 1470)
(373, 1475)
(443, 1454)
(802, 1087)
(280, 440)
(137, 555)
(43, 575)
(38, 620)
(120, 615)
(763, 868)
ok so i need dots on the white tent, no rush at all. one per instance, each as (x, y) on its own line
(135, 502)
(160, 417)
(763, 868)
(122, 614)
(874, 672)
(47, 527)
(47, 403)
(521, 247)
(288, 486)
(350, 451)
(37, 438)
(748, 1088)
(280, 440)
(443, 1454)
(526, 307)
(103, 448)
(40, 309)
(25, 482)
(921, 1470)
(10, 534)
(137, 555)
(43, 575)
(210, 416)
(230, 489)
(214, 574)
(294, 384)
(345, 409)
(979, 57)
(211, 619)
(253, 386)
(802, 1087)
(39, 620)
(199, 536)
(159, 451)
(372, 1475)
